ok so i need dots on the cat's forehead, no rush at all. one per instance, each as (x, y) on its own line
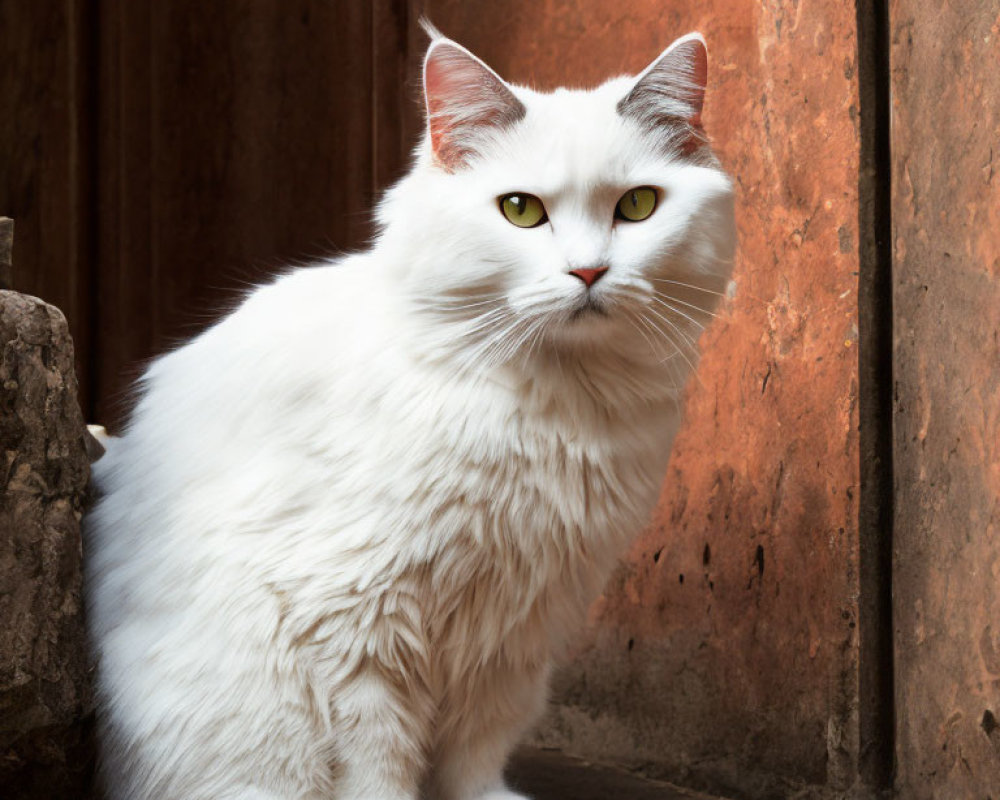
(576, 137)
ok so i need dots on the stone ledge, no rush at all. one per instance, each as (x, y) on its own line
(552, 775)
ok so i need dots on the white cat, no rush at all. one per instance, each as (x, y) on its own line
(350, 527)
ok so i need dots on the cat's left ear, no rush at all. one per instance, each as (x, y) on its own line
(672, 88)
(465, 99)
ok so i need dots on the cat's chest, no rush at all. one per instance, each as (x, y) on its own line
(483, 461)
(471, 474)
(526, 521)
(498, 524)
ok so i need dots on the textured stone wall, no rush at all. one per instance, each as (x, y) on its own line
(724, 654)
(44, 691)
(946, 274)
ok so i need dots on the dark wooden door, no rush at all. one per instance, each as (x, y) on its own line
(164, 157)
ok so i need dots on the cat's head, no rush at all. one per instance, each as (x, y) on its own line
(574, 220)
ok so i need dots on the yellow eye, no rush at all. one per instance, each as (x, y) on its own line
(523, 210)
(636, 204)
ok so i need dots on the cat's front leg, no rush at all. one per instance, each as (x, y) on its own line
(382, 719)
(473, 770)
(484, 725)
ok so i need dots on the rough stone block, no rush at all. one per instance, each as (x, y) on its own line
(44, 694)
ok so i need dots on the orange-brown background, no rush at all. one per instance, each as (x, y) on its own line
(759, 506)
(158, 157)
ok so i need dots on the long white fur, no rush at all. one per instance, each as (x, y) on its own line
(350, 527)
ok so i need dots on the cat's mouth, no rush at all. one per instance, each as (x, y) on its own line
(589, 306)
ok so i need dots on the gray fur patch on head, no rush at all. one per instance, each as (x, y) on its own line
(667, 97)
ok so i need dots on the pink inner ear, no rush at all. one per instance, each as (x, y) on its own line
(672, 89)
(690, 59)
(699, 76)
(462, 95)
(436, 88)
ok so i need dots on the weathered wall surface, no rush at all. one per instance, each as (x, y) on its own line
(44, 682)
(725, 652)
(946, 263)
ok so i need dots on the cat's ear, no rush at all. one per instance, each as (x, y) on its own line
(465, 99)
(672, 88)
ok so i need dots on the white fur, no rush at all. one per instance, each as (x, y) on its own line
(350, 527)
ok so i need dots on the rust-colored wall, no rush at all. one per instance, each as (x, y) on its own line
(166, 154)
(725, 652)
(946, 250)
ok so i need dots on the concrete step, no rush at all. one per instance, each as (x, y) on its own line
(552, 775)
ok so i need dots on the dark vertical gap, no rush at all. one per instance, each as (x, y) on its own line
(373, 119)
(402, 100)
(374, 116)
(154, 288)
(392, 106)
(92, 200)
(877, 707)
(390, 98)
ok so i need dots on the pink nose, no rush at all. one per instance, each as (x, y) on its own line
(589, 276)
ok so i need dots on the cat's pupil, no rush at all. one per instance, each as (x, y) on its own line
(519, 203)
(634, 196)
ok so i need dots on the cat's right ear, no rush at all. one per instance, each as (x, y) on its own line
(465, 99)
(671, 90)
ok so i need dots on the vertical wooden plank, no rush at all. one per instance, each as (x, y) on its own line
(396, 96)
(946, 275)
(725, 651)
(237, 139)
(126, 305)
(6, 246)
(45, 167)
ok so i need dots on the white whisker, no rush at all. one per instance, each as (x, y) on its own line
(693, 306)
(684, 334)
(645, 336)
(689, 286)
(663, 302)
(679, 348)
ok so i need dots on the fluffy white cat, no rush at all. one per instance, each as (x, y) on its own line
(349, 528)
